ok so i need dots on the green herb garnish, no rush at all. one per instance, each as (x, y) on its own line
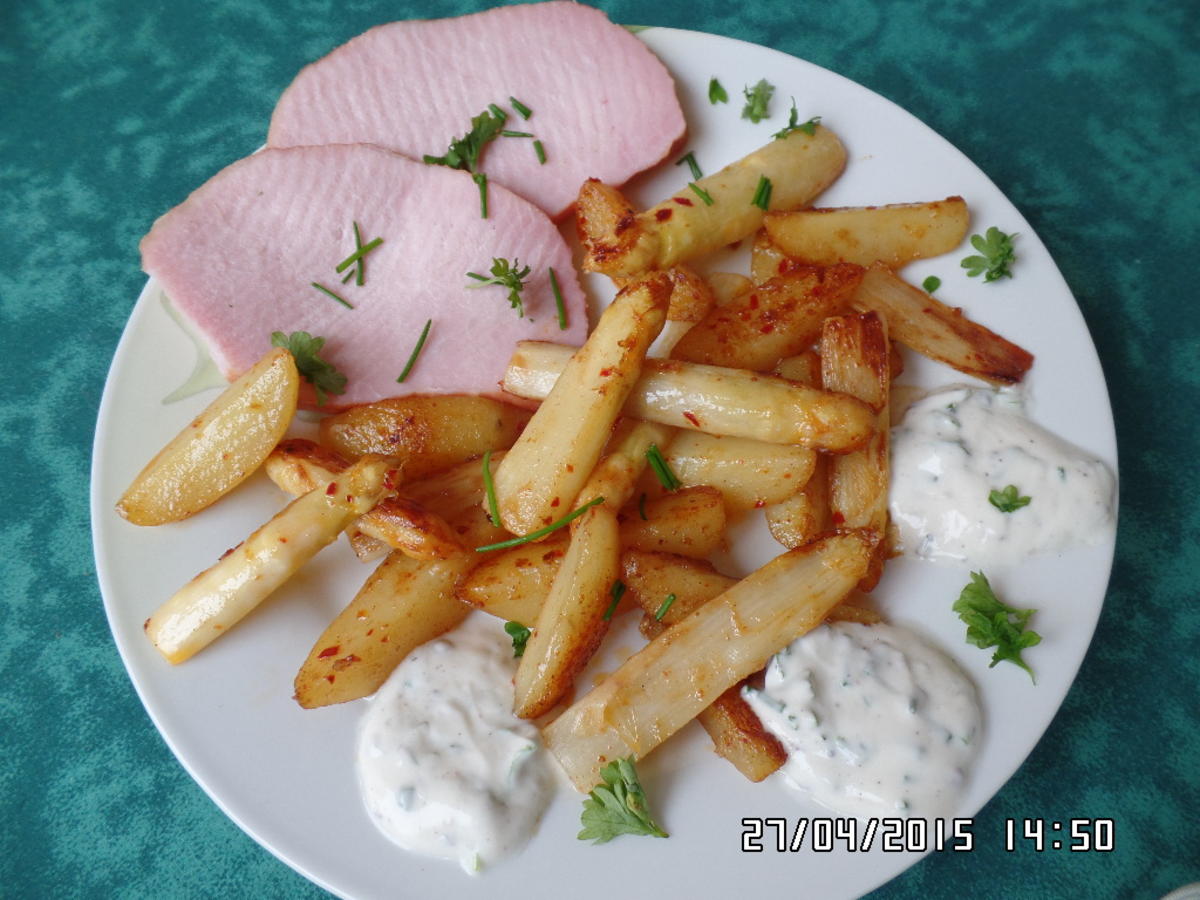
(520, 637)
(642, 507)
(464, 152)
(358, 257)
(716, 92)
(762, 194)
(520, 107)
(931, 284)
(559, 305)
(665, 476)
(416, 351)
(540, 151)
(516, 134)
(489, 489)
(321, 374)
(701, 193)
(794, 124)
(505, 275)
(1008, 500)
(328, 293)
(617, 806)
(542, 532)
(618, 591)
(758, 101)
(662, 610)
(991, 623)
(996, 255)
(690, 159)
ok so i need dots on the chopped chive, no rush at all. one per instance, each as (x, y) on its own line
(663, 471)
(931, 284)
(642, 507)
(416, 351)
(542, 532)
(716, 92)
(540, 151)
(481, 179)
(349, 275)
(762, 194)
(328, 293)
(477, 277)
(507, 133)
(701, 193)
(360, 274)
(520, 107)
(662, 610)
(357, 255)
(558, 301)
(498, 112)
(618, 591)
(489, 488)
(690, 159)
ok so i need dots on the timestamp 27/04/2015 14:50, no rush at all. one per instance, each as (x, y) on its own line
(917, 835)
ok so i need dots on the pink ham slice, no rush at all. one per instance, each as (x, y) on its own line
(603, 105)
(238, 257)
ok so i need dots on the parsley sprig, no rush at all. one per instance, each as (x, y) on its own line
(758, 101)
(995, 257)
(1009, 499)
(618, 806)
(991, 623)
(464, 152)
(506, 275)
(320, 373)
(794, 124)
(716, 92)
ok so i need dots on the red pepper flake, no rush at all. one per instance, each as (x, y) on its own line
(329, 678)
(329, 651)
(754, 301)
(759, 504)
(663, 214)
(349, 498)
(604, 373)
(348, 660)
(332, 489)
(767, 329)
(691, 417)
(838, 519)
(555, 502)
(683, 201)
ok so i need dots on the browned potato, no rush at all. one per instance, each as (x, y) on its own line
(892, 235)
(726, 286)
(796, 520)
(512, 584)
(779, 318)
(218, 449)
(749, 474)
(690, 521)
(428, 432)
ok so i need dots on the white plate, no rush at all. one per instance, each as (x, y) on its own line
(286, 775)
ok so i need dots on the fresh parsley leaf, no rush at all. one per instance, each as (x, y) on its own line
(996, 255)
(505, 275)
(931, 284)
(618, 806)
(716, 92)
(520, 636)
(322, 375)
(758, 99)
(1008, 500)
(464, 152)
(794, 124)
(991, 623)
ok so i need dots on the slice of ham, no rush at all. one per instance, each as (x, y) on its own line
(603, 105)
(238, 257)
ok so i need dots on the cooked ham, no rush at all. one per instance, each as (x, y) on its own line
(603, 105)
(239, 256)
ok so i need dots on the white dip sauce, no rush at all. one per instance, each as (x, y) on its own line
(957, 445)
(876, 721)
(444, 766)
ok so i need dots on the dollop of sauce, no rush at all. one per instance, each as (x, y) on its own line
(957, 445)
(876, 721)
(444, 766)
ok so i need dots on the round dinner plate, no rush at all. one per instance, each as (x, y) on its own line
(286, 775)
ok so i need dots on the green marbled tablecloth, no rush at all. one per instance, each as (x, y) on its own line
(1086, 114)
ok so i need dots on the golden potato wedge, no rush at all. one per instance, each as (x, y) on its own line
(512, 584)
(804, 367)
(796, 520)
(220, 597)
(220, 448)
(690, 521)
(779, 318)
(749, 474)
(892, 235)
(428, 432)
(713, 399)
(540, 477)
(725, 286)
(767, 261)
(940, 332)
(646, 701)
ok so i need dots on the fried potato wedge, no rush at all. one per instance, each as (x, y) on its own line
(779, 318)
(796, 520)
(726, 286)
(218, 449)
(691, 223)
(712, 399)
(893, 235)
(542, 474)
(749, 474)
(428, 432)
(217, 599)
(665, 685)
(690, 521)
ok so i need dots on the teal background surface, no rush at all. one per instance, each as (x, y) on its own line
(1084, 113)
